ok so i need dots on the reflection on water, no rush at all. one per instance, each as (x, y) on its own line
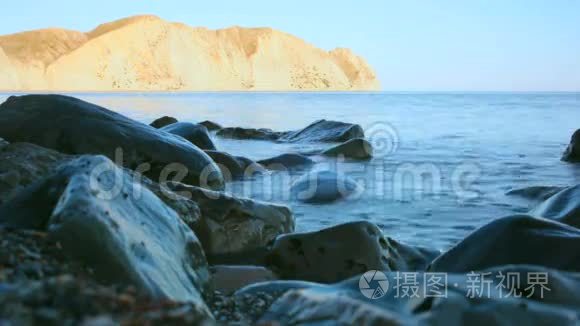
(510, 140)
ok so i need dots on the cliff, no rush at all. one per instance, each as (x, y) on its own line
(147, 53)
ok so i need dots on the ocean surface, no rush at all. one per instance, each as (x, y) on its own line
(443, 162)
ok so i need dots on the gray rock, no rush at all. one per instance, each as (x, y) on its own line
(234, 167)
(26, 164)
(572, 152)
(22, 164)
(325, 131)
(230, 224)
(120, 230)
(163, 121)
(228, 279)
(324, 187)
(318, 131)
(519, 239)
(194, 133)
(72, 126)
(337, 253)
(457, 304)
(358, 148)
(248, 133)
(287, 162)
(564, 207)
(210, 125)
(535, 192)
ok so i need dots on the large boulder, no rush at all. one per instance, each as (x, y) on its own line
(234, 167)
(564, 207)
(25, 164)
(287, 162)
(163, 121)
(229, 279)
(72, 126)
(116, 227)
(324, 187)
(359, 149)
(337, 253)
(572, 152)
(519, 239)
(230, 224)
(194, 133)
(325, 131)
(434, 299)
(248, 133)
(210, 125)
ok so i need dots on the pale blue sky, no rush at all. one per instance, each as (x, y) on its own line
(505, 45)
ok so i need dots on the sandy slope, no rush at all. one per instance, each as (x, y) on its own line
(148, 53)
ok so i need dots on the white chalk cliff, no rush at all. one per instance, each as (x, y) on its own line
(147, 53)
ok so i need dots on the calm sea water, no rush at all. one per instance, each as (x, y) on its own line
(443, 164)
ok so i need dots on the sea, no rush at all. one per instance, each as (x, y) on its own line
(442, 165)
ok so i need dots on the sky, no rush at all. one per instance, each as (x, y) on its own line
(413, 45)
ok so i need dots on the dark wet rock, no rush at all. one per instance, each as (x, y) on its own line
(337, 253)
(229, 279)
(358, 148)
(210, 125)
(456, 303)
(163, 121)
(287, 162)
(231, 224)
(318, 131)
(519, 239)
(325, 131)
(564, 207)
(22, 164)
(234, 167)
(324, 187)
(3, 142)
(249, 133)
(194, 133)
(572, 153)
(120, 229)
(535, 192)
(72, 126)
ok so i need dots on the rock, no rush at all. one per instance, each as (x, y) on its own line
(230, 224)
(3, 143)
(234, 167)
(22, 164)
(324, 187)
(163, 121)
(337, 253)
(563, 207)
(195, 134)
(210, 125)
(228, 279)
(286, 162)
(72, 126)
(518, 239)
(572, 153)
(535, 192)
(325, 131)
(248, 133)
(28, 163)
(358, 148)
(118, 228)
(456, 303)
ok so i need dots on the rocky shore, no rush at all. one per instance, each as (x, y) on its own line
(105, 220)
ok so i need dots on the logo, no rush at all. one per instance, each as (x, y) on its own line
(373, 284)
